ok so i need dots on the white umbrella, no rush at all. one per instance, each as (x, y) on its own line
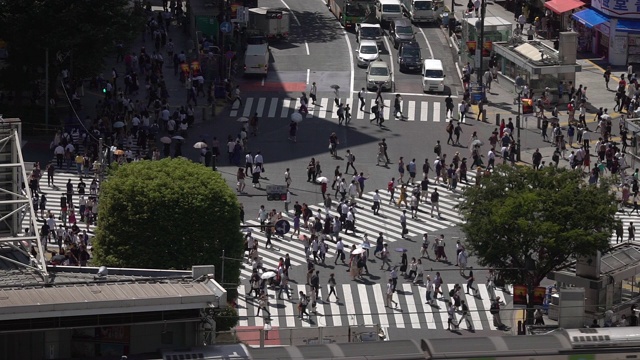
(358, 251)
(268, 275)
(200, 145)
(165, 140)
(366, 246)
(296, 117)
(178, 137)
(242, 120)
(322, 179)
(476, 143)
(118, 124)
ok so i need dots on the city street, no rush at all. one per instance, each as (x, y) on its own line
(319, 50)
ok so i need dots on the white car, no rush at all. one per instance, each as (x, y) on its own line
(368, 51)
(378, 73)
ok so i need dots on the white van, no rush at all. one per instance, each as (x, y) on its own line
(387, 10)
(256, 59)
(432, 75)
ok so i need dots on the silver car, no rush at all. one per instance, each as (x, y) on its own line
(368, 51)
(378, 74)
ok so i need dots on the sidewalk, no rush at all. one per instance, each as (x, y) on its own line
(501, 97)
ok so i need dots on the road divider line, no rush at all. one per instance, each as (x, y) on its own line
(427, 40)
(308, 74)
(393, 74)
(346, 37)
(292, 14)
(306, 45)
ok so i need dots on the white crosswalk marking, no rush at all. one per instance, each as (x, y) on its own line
(411, 110)
(365, 304)
(347, 292)
(260, 108)
(387, 109)
(272, 108)
(424, 111)
(247, 107)
(285, 108)
(324, 104)
(411, 306)
(436, 112)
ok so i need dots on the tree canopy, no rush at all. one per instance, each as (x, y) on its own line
(165, 214)
(522, 219)
(86, 30)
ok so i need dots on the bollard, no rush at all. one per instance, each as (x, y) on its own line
(497, 119)
(484, 115)
(213, 162)
(539, 123)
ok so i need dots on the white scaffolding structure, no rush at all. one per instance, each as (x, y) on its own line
(16, 202)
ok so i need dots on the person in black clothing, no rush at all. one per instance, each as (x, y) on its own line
(448, 101)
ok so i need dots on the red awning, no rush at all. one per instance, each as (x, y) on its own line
(562, 6)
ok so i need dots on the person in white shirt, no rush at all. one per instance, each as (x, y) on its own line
(521, 21)
(339, 251)
(376, 203)
(492, 159)
(248, 162)
(259, 161)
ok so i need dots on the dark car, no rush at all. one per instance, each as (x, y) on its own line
(409, 57)
(401, 31)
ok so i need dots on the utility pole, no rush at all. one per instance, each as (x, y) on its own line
(480, 45)
(46, 87)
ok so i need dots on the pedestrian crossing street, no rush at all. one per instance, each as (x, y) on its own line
(387, 222)
(361, 304)
(53, 194)
(626, 221)
(278, 108)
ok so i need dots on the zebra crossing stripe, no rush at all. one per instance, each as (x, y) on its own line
(242, 306)
(272, 108)
(324, 103)
(411, 306)
(473, 309)
(387, 109)
(289, 313)
(411, 111)
(273, 307)
(359, 113)
(436, 112)
(383, 319)
(349, 304)
(424, 111)
(260, 107)
(335, 309)
(366, 310)
(285, 108)
(247, 107)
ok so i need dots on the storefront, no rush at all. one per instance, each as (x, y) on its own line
(609, 34)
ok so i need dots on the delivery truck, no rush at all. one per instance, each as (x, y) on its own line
(256, 56)
(423, 11)
(272, 23)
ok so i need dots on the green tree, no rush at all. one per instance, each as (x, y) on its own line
(86, 30)
(168, 214)
(527, 223)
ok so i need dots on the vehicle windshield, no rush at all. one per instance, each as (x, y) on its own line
(422, 5)
(433, 74)
(413, 53)
(379, 71)
(404, 30)
(368, 50)
(391, 8)
(358, 10)
(369, 32)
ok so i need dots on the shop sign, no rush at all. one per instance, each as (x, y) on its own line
(629, 9)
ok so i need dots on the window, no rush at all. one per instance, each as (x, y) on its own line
(368, 50)
(411, 52)
(391, 8)
(404, 30)
(422, 5)
(433, 74)
(379, 71)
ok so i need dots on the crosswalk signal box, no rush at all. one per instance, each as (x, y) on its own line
(276, 192)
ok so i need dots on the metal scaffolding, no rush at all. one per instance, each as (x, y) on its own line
(16, 203)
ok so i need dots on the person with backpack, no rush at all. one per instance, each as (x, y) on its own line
(457, 131)
(450, 132)
(340, 112)
(375, 110)
(495, 311)
(465, 316)
(391, 189)
(351, 158)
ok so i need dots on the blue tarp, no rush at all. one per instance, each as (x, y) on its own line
(590, 18)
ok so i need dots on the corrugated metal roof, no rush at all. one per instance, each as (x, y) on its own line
(104, 297)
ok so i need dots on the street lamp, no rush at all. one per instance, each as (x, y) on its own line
(520, 83)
